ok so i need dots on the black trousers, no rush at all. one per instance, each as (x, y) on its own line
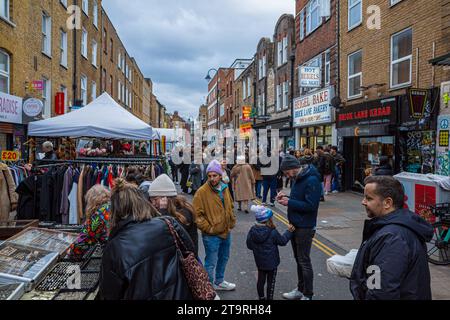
(301, 245)
(268, 277)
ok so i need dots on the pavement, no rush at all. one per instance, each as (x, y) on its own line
(341, 222)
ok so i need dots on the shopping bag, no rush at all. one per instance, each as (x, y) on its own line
(342, 266)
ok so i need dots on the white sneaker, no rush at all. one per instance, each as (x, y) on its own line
(293, 295)
(335, 191)
(225, 286)
(217, 297)
(306, 299)
(326, 193)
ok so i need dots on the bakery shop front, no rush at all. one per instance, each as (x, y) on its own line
(366, 132)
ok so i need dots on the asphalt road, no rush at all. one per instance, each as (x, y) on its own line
(241, 268)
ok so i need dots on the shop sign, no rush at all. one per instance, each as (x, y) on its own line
(32, 110)
(10, 108)
(59, 103)
(313, 109)
(378, 112)
(425, 198)
(445, 96)
(310, 77)
(246, 113)
(38, 85)
(12, 156)
(245, 130)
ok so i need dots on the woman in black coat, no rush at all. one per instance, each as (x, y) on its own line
(140, 261)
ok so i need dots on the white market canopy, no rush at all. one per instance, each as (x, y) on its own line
(102, 118)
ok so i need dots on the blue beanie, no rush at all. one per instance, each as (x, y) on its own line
(264, 215)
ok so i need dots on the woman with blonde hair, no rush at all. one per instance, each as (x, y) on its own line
(96, 227)
(141, 261)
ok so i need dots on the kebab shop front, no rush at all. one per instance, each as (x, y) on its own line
(366, 132)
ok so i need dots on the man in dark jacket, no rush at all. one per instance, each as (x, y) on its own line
(384, 169)
(392, 261)
(303, 207)
(47, 148)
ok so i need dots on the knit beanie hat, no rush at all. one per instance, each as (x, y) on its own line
(262, 214)
(290, 162)
(214, 166)
(163, 186)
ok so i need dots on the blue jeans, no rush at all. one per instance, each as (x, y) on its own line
(270, 183)
(337, 180)
(259, 184)
(217, 252)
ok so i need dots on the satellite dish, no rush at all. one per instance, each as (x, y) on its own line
(336, 102)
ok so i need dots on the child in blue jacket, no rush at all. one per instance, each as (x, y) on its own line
(263, 239)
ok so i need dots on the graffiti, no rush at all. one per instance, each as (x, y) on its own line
(442, 163)
(420, 152)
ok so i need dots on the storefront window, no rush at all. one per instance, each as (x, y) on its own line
(316, 136)
(370, 151)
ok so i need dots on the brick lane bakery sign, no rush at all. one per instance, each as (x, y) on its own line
(10, 108)
(313, 109)
(378, 112)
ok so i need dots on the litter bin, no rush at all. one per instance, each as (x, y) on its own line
(422, 192)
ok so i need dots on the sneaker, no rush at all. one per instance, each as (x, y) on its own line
(322, 199)
(225, 286)
(326, 193)
(306, 299)
(217, 297)
(335, 191)
(293, 295)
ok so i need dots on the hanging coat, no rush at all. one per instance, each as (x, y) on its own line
(8, 195)
(243, 182)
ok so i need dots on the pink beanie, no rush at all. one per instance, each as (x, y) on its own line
(215, 166)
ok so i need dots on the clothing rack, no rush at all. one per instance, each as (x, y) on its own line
(112, 161)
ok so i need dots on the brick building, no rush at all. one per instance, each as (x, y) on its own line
(202, 119)
(154, 112)
(244, 97)
(147, 92)
(388, 88)
(226, 100)
(316, 47)
(216, 92)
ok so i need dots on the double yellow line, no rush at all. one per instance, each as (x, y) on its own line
(319, 245)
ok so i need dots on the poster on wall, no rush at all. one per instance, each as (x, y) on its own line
(442, 145)
(425, 197)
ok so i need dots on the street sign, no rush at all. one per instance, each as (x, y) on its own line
(12, 156)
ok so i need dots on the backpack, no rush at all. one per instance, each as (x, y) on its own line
(327, 166)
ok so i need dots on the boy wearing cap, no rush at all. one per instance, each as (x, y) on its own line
(264, 239)
(214, 216)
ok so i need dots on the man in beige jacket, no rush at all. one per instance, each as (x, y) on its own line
(214, 215)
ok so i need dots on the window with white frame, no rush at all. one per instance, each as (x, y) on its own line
(327, 67)
(286, 95)
(302, 24)
(94, 53)
(355, 74)
(46, 34)
(249, 87)
(63, 49)
(264, 62)
(280, 53)
(122, 64)
(354, 13)
(119, 91)
(285, 49)
(279, 97)
(123, 93)
(93, 90)
(95, 13)
(85, 6)
(4, 9)
(84, 43)
(84, 93)
(401, 58)
(313, 19)
(260, 68)
(244, 90)
(119, 60)
(4, 72)
(46, 97)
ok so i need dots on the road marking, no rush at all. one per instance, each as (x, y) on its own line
(318, 244)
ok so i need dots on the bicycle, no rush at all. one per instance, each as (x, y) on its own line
(439, 247)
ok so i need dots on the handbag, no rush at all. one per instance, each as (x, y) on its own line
(196, 276)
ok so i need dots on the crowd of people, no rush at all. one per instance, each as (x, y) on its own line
(142, 258)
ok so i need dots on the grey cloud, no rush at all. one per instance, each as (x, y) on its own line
(175, 42)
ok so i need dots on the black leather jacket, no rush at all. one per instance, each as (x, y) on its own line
(140, 262)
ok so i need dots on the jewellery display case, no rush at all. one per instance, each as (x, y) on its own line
(9, 229)
(25, 264)
(50, 240)
(11, 290)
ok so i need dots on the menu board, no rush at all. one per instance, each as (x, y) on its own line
(24, 263)
(50, 240)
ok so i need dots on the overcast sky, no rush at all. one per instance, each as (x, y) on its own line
(175, 42)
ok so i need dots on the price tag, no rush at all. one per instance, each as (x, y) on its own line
(12, 156)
